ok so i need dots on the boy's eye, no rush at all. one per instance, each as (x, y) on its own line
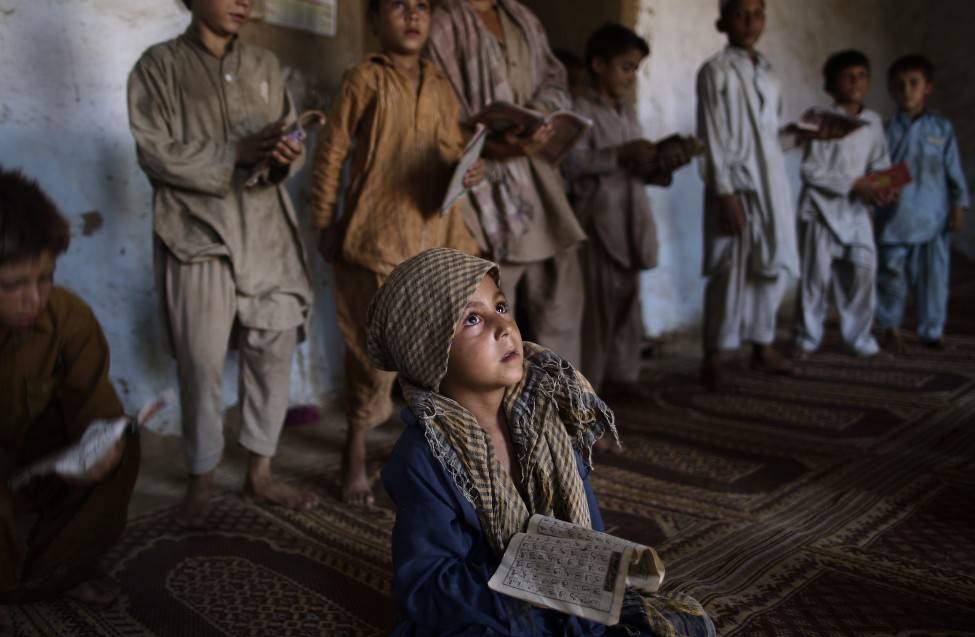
(422, 7)
(473, 319)
(501, 308)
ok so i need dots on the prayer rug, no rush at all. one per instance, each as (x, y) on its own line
(842, 503)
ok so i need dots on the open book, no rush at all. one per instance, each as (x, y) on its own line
(815, 118)
(668, 149)
(472, 152)
(575, 570)
(893, 177)
(501, 117)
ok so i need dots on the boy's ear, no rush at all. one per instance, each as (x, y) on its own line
(599, 65)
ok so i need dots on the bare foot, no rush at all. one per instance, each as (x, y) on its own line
(6, 623)
(800, 355)
(196, 503)
(892, 340)
(260, 487)
(713, 375)
(766, 360)
(355, 479)
(100, 593)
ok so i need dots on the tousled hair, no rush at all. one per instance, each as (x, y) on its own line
(29, 221)
(611, 40)
(912, 62)
(839, 62)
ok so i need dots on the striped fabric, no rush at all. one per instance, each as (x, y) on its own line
(550, 411)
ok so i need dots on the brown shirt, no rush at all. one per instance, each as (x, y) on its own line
(404, 144)
(62, 361)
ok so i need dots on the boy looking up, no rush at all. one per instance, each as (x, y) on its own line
(205, 108)
(608, 184)
(749, 218)
(397, 115)
(913, 235)
(496, 430)
(835, 229)
(54, 365)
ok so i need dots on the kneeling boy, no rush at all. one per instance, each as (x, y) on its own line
(54, 374)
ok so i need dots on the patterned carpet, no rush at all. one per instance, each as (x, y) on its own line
(839, 504)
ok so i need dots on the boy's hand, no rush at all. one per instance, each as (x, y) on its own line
(515, 143)
(879, 196)
(330, 242)
(475, 174)
(99, 471)
(731, 218)
(260, 145)
(956, 219)
(285, 151)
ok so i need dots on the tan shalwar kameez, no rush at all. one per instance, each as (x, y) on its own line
(229, 259)
(614, 209)
(54, 380)
(544, 260)
(404, 144)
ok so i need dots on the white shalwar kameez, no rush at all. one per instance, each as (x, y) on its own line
(836, 238)
(739, 105)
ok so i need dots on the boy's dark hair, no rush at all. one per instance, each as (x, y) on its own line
(728, 7)
(839, 62)
(611, 40)
(29, 221)
(188, 3)
(912, 62)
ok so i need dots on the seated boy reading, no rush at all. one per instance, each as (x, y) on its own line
(495, 432)
(54, 365)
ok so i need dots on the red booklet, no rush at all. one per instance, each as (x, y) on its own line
(893, 177)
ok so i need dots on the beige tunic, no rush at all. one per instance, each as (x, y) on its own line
(188, 109)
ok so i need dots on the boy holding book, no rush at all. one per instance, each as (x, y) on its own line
(397, 115)
(54, 364)
(608, 171)
(835, 225)
(496, 429)
(913, 235)
(206, 111)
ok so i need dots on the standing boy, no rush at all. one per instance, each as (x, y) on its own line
(749, 218)
(205, 108)
(913, 234)
(835, 229)
(54, 364)
(398, 115)
(607, 169)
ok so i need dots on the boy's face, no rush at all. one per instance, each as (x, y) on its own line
(851, 85)
(402, 26)
(25, 287)
(744, 22)
(910, 90)
(222, 17)
(486, 352)
(616, 77)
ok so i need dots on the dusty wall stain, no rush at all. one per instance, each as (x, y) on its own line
(92, 222)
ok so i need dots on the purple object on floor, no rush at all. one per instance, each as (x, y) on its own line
(302, 415)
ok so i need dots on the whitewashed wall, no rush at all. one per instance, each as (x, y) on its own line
(63, 121)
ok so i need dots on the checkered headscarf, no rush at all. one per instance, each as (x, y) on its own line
(551, 411)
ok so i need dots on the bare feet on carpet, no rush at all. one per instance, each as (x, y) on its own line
(100, 593)
(6, 623)
(355, 479)
(196, 503)
(892, 340)
(260, 488)
(766, 360)
(714, 376)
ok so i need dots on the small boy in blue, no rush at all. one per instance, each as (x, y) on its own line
(913, 243)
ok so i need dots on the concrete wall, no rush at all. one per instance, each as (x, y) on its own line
(63, 121)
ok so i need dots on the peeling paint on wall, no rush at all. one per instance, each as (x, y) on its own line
(92, 222)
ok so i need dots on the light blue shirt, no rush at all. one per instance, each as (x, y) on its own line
(929, 147)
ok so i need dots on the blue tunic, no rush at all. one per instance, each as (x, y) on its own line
(442, 561)
(929, 147)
